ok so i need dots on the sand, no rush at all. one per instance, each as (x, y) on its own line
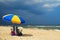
(30, 34)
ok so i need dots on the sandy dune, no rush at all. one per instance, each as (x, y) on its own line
(30, 34)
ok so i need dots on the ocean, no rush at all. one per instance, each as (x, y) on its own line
(43, 27)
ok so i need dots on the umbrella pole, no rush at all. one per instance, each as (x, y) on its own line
(15, 28)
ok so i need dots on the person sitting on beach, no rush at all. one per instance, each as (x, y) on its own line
(19, 33)
(13, 33)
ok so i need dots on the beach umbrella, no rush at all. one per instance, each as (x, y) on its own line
(15, 19)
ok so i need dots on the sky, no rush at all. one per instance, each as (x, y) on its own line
(34, 12)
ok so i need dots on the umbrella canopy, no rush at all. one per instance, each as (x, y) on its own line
(15, 19)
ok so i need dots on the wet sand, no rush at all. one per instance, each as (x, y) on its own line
(30, 34)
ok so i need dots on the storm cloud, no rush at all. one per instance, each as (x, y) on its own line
(33, 11)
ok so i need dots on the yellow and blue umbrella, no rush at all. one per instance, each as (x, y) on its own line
(13, 19)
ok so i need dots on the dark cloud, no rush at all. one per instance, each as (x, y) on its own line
(33, 11)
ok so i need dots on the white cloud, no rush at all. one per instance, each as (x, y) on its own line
(51, 5)
(46, 3)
